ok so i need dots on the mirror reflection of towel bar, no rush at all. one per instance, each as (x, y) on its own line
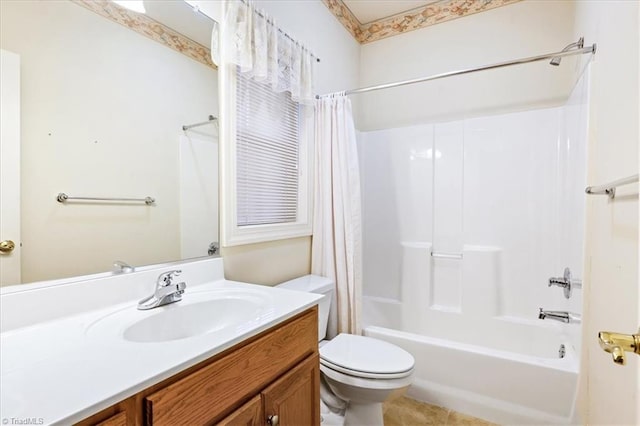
(63, 198)
(457, 256)
(191, 126)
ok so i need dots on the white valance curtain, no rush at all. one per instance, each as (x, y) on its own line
(250, 39)
(336, 250)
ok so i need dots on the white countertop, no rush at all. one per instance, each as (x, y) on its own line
(65, 369)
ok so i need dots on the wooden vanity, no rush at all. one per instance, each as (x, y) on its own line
(272, 378)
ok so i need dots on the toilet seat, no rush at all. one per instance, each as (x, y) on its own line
(365, 383)
(364, 374)
(365, 357)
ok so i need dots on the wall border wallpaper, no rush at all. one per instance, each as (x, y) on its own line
(150, 28)
(414, 19)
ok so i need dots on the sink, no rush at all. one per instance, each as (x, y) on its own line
(191, 320)
(198, 314)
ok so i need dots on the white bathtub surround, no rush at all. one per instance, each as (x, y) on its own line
(336, 250)
(464, 223)
(198, 193)
(68, 351)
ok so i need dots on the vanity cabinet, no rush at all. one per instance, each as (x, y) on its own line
(275, 373)
(285, 402)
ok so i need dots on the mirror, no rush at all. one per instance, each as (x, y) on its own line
(104, 93)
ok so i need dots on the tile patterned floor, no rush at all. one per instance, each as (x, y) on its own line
(409, 412)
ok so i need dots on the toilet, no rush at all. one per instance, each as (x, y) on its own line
(358, 373)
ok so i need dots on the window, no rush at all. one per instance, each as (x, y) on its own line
(266, 156)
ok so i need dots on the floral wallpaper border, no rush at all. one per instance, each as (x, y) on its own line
(150, 28)
(431, 14)
(345, 16)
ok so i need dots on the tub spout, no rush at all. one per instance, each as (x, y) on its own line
(562, 316)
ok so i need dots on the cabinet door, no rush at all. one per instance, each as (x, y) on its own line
(119, 419)
(250, 414)
(203, 396)
(295, 397)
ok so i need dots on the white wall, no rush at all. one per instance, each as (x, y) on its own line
(102, 110)
(312, 24)
(609, 393)
(523, 29)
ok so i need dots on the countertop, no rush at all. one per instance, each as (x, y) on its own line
(63, 370)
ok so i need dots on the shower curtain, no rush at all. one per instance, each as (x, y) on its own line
(337, 235)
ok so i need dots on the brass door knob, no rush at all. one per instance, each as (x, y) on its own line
(617, 344)
(7, 246)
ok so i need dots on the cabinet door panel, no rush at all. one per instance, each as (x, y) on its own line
(203, 396)
(119, 419)
(295, 397)
(250, 414)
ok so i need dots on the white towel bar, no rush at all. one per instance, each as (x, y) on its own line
(610, 188)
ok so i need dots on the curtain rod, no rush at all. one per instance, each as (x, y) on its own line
(272, 21)
(580, 51)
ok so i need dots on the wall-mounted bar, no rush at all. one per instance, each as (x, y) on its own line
(457, 256)
(555, 56)
(63, 198)
(260, 14)
(191, 126)
(610, 188)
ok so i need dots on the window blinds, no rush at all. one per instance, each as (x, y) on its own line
(267, 151)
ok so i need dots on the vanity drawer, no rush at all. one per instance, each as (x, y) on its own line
(216, 389)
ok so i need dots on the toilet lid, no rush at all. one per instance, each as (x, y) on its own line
(359, 354)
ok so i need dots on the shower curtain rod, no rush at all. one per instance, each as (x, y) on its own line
(561, 54)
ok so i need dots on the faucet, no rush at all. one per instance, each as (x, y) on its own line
(562, 316)
(120, 267)
(166, 291)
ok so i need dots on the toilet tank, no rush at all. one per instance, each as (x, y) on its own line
(317, 285)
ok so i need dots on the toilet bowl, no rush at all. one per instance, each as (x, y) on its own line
(360, 371)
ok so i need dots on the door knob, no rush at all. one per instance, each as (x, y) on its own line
(273, 420)
(7, 246)
(617, 344)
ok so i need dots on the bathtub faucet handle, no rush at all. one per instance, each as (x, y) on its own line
(566, 282)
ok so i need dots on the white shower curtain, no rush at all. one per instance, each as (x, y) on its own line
(337, 235)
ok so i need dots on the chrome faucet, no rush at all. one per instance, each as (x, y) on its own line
(166, 291)
(120, 267)
(562, 316)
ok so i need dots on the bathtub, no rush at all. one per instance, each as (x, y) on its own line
(499, 386)
(471, 356)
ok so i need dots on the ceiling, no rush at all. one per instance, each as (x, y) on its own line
(367, 11)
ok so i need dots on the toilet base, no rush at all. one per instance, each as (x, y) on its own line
(363, 414)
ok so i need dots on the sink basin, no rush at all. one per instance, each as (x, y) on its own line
(191, 320)
(196, 315)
